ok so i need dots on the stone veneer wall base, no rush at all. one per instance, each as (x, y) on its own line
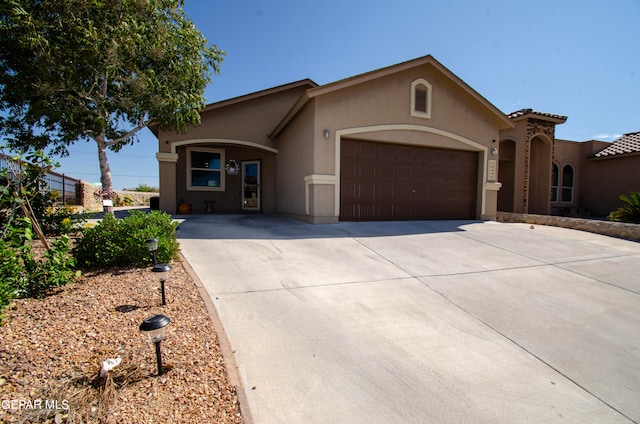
(614, 229)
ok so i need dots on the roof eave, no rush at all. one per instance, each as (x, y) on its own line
(258, 94)
(614, 156)
(154, 127)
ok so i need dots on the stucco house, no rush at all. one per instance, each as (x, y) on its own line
(544, 175)
(409, 141)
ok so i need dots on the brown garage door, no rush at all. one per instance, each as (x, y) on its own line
(380, 181)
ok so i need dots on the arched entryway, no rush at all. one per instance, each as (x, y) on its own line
(507, 176)
(539, 192)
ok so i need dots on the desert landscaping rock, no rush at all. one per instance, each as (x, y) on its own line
(51, 353)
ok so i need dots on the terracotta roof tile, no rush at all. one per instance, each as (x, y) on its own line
(628, 143)
(524, 112)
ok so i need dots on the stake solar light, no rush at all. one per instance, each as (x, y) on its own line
(155, 328)
(162, 271)
(152, 246)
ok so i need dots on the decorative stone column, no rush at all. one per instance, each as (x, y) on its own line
(535, 127)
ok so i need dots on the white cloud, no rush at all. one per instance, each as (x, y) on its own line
(607, 136)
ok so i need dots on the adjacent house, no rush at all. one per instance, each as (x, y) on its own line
(544, 175)
(409, 141)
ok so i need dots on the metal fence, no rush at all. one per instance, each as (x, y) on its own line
(65, 190)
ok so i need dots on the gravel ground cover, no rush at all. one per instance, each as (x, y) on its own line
(52, 350)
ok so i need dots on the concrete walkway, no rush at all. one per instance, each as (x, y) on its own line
(424, 322)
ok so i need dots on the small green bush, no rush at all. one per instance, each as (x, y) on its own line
(12, 274)
(121, 242)
(55, 269)
(630, 212)
(24, 273)
(26, 208)
(144, 188)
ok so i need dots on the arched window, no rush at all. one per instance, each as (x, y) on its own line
(554, 183)
(421, 98)
(567, 183)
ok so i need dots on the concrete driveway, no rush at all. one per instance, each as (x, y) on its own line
(424, 322)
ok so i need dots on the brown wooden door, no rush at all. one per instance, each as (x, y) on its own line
(380, 181)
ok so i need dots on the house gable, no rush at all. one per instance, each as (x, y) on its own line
(427, 63)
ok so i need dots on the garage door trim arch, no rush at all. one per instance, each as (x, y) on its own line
(339, 134)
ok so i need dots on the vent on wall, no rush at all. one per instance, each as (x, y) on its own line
(421, 98)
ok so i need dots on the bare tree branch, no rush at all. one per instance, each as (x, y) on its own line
(141, 124)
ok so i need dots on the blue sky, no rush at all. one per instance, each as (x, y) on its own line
(569, 57)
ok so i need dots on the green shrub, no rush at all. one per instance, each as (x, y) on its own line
(146, 189)
(12, 274)
(26, 207)
(55, 269)
(61, 220)
(121, 242)
(630, 212)
(25, 273)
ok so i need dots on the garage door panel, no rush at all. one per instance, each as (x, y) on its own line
(403, 173)
(386, 172)
(386, 191)
(367, 191)
(404, 153)
(367, 171)
(386, 152)
(403, 192)
(367, 151)
(397, 182)
(349, 171)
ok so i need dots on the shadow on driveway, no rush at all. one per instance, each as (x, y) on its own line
(260, 227)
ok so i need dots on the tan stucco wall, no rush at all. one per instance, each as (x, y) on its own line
(604, 180)
(239, 127)
(598, 182)
(250, 120)
(295, 161)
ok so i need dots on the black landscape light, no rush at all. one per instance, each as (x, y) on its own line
(155, 328)
(152, 246)
(162, 271)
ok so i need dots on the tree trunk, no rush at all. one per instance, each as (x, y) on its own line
(105, 175)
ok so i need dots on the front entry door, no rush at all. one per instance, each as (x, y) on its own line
(251, 185)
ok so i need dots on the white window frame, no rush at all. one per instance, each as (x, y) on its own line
(190, 187)
(414, 85)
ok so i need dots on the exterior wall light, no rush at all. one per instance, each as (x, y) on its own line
(152, 246)
(162, 272)
(327, 134)
(494, 151)
(155, 328)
